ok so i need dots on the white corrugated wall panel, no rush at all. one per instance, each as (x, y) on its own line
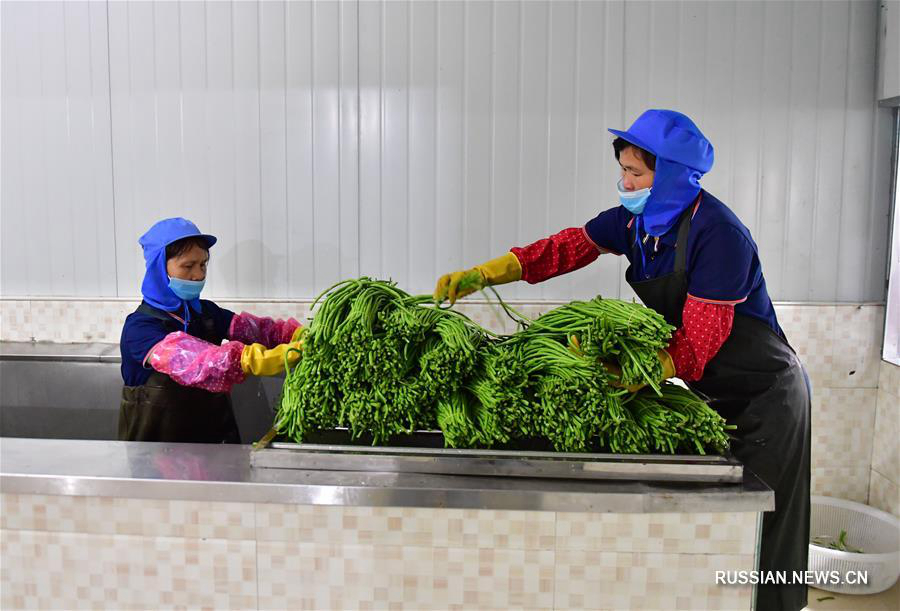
(335, 202)
(449, 136)
(534, 88)
(853, 277)
(422, 145)
(57, 200)
(477, 49)
(524, 92)
(324, 140)
(299, 145)
(242, 117)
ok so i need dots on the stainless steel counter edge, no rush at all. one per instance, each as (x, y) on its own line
(85, 352)
(222, 473)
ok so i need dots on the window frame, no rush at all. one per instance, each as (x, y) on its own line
(891, 342)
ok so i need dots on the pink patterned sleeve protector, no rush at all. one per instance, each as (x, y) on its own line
(191, 361)
(561, 253)
(705, 327)
(269, 332)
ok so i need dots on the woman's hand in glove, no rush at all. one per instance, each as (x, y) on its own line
(258, 360)
(456, 285)
(615, 372)
(668, 371)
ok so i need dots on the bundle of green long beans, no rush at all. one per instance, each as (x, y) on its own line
(609, 330)
(381, 363)
(375, 361)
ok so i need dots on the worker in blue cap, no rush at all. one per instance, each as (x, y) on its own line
(181, 355)
(693, 261)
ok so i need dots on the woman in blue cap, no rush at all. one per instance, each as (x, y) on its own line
(176, 368)
(693, 261)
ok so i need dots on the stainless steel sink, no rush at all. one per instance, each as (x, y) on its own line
(72, 391)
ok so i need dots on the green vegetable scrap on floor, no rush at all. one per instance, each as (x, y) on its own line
(382, 363)
(839, 544)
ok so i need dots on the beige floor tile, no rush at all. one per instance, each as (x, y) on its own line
(623, 580)
(670, 533)
(15, 320)
(889, 379)
(886, 453)
(843, 421)
(851, 483)
(810, 330)
(124, 516)
(406, 526)
(316, 576)
(884, 494)
(857, 346)
(888, 600)
(59, 570)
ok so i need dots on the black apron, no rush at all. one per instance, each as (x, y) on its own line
(163, 410)
(757, 383)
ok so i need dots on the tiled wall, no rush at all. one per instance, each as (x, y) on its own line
(884, 485)
(72, 321)
(69, 552)
(839, 344)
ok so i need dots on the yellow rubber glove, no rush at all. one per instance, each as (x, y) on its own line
(258, 360)
(668, 365)
(668, 371)
(465, 282)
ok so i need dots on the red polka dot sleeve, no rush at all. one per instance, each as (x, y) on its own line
(564, 252)
(705, 327)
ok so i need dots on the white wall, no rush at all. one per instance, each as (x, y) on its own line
(57, 211)
(889, 51)
(322, 141)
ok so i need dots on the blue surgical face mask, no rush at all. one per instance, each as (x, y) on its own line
(186, 289)
(634, 201)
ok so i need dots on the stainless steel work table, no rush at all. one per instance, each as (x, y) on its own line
(223, 473)
(208, 472)
(195, 525)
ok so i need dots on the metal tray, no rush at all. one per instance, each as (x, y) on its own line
(502, 463)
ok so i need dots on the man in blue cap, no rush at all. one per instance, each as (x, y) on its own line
(693, 261)
(176, 369)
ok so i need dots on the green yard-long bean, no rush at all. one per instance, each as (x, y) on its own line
(382, 363)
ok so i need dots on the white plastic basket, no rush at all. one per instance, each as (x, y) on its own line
(875, 532)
